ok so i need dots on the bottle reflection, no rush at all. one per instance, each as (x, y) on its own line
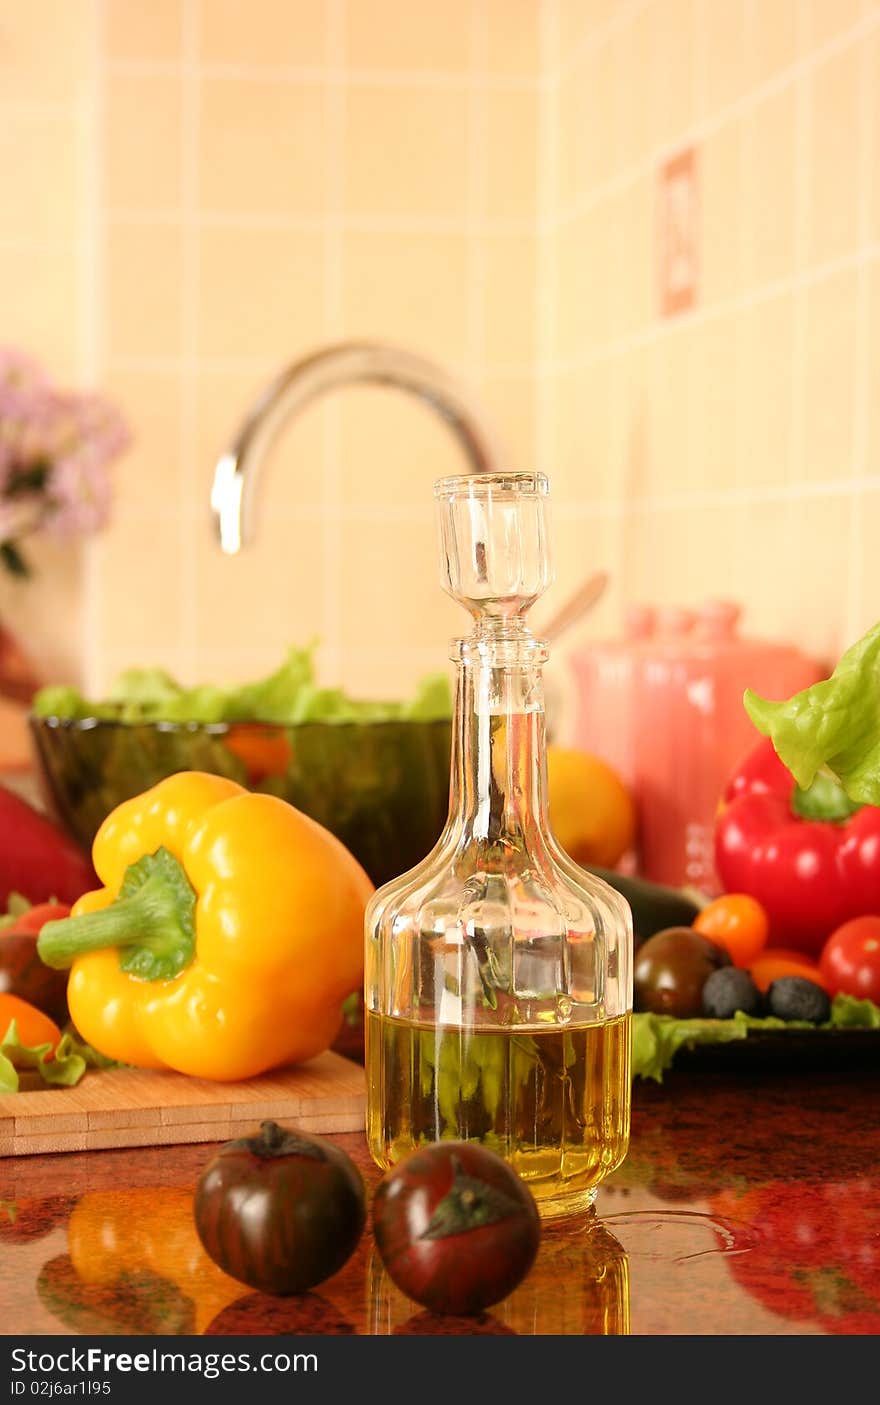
(578, 1286)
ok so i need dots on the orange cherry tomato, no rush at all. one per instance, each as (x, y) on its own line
(736, 922)
(32, 1025)
(265, 750)
(779, 961)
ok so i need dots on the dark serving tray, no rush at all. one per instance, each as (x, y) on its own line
(810, 1050)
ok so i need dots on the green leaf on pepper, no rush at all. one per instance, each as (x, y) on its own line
(833, 727)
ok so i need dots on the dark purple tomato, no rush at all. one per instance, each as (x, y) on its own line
(670, 970)
(455, 1227)
(280, 1211)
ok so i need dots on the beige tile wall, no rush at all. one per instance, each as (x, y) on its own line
(45, 278)
(733, 449)
(258, 181)
(233, 186)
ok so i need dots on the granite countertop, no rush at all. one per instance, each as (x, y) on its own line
(748, 1204)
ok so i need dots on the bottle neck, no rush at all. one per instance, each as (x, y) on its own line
(498, 789)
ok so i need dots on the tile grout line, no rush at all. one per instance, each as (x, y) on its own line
(79, 246)
(684, 499)
(688, 500)
(861, 390)
(699, 82)
(336, 117)
(597, 39)
(189, 333)
(802, 137)
(58, 109)
(92, 315)
(744, 325)
(365, 222)
(334, 74)
(476, 187)
(226, 365)
(426, 654)
(546, 271)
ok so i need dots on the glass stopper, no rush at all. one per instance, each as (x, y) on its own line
(494, 543)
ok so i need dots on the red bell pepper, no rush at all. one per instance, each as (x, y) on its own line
(37, 859)
(810, 857)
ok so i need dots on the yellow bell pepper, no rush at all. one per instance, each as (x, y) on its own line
(227, 935)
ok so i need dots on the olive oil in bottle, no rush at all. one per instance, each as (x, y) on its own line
(555, 1103)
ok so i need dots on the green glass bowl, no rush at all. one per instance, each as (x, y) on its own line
(380, 787)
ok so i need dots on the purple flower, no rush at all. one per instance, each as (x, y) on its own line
(79, 492)
(56, 448)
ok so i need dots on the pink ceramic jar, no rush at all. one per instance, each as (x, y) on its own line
(663, 705)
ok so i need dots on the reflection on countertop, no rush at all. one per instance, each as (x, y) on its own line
(747, 1205)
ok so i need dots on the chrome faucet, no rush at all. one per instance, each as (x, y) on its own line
(334, 366)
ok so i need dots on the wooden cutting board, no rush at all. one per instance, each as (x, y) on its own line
(120, 1107)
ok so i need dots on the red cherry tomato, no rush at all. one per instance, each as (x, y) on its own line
(850, 959)
(455, 1227)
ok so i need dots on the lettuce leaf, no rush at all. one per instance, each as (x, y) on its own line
(60, 701)
(833, 727)
(71, 1060)
(146, 686)
(286, 697)
(16, 906)
(433, 699)
(848, 1012)
(658, 1038)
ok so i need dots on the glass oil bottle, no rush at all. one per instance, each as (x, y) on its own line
(498, 985)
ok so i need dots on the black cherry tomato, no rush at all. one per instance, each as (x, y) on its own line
(455, 1227)
(670, 970)
(280, 1211)
(22, 973)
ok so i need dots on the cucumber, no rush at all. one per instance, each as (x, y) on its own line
(653, 905)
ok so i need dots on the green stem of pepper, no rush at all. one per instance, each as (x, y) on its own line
(825, 799)
(151, 923)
